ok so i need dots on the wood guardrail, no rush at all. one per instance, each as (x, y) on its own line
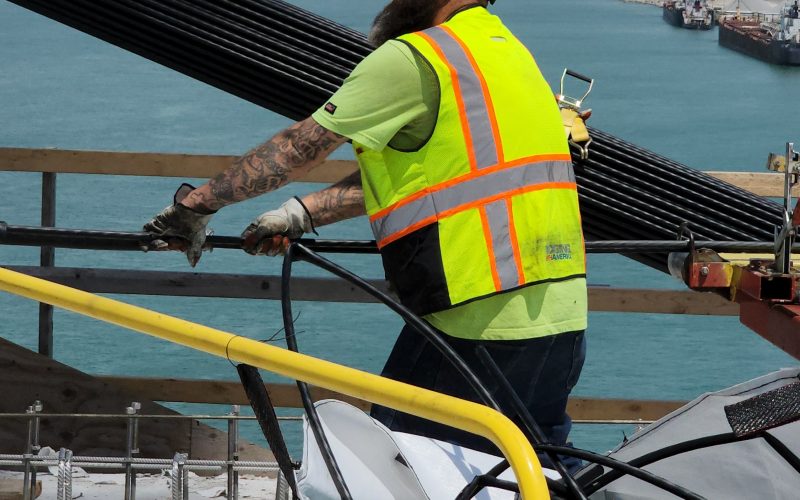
(145, 164)
(120, 281)
(53, 161)
(287, 396)
(190, 165)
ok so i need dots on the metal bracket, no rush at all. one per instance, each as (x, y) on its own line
(789, 165)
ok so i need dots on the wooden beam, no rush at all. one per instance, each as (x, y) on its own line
(192, 165)
(241, 286)
(660, 301)
(287, 396)
(145, 164)
(760, 183)
(26, 376)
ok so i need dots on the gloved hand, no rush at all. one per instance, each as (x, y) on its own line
(180, 227)
(271, 231)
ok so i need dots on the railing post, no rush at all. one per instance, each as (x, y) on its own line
(233, 454)
(131, 449)
(47, 259)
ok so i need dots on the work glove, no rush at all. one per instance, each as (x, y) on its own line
(181, 223)
(271, 231)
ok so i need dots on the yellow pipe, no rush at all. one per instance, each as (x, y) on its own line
(447, 410)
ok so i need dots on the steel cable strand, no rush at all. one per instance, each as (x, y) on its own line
(293, 15)
(197, 53)
(665, 225)
(145, 50)
(673, 168)
(267, 40)
(702, 205)
(645, 206)
(218, 30)
(326, 42)
(748, 214)
(204, 37)
(310, 48)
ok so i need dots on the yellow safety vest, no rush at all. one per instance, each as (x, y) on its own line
(489, 204)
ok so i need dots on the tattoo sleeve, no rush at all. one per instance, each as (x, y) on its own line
(288, 156)
(343, 200)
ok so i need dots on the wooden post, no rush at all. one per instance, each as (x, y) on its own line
(47, 259)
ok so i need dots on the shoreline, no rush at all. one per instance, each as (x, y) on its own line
(656, 3)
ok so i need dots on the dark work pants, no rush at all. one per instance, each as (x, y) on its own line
(543, 371)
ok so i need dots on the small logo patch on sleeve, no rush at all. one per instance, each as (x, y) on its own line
(330, 108)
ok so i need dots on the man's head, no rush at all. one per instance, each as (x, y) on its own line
(407, 16)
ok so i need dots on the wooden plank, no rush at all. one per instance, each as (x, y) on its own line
(240, 286)
(192, 165)
(217, 391)
(11, 489)
(660, 301)
(122, 281)
(287, 396)
(145, 164)
(26, 376)
(760, 183)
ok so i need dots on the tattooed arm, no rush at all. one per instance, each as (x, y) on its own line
(284, 158)
(343, 200)
(289, 155)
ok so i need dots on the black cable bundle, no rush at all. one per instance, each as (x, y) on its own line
(290, 61)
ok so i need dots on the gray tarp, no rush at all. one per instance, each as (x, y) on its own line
(748, 470)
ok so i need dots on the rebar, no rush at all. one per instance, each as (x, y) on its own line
(64, 487)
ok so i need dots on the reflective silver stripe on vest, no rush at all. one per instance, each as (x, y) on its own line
(470, 191)
(477, 109)
(500, 229)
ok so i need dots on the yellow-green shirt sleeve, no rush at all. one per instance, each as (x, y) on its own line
(383, 94)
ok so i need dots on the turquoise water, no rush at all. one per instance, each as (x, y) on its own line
(670, 90)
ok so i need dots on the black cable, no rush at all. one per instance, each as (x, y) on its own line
(297, 250)
(264, 411)
(534, 432)
(305, 395)
(663, 454)
(783, 450)
(640, 474)
(302, 252)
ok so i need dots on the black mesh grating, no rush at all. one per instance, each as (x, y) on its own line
(765, 411)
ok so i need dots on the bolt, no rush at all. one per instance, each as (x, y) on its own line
(704, 271)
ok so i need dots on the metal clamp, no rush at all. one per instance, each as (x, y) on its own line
(565, 101)
(572, 115)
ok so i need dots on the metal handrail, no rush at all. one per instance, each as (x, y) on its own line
(469, 416)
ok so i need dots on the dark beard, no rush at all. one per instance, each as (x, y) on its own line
(401, 17)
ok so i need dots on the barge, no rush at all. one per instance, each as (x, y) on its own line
(774, 39)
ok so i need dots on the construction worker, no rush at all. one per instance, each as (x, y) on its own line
(466, 177)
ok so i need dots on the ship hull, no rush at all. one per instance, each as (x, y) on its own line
(771, 51)
(673, 16)
(699, 24)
